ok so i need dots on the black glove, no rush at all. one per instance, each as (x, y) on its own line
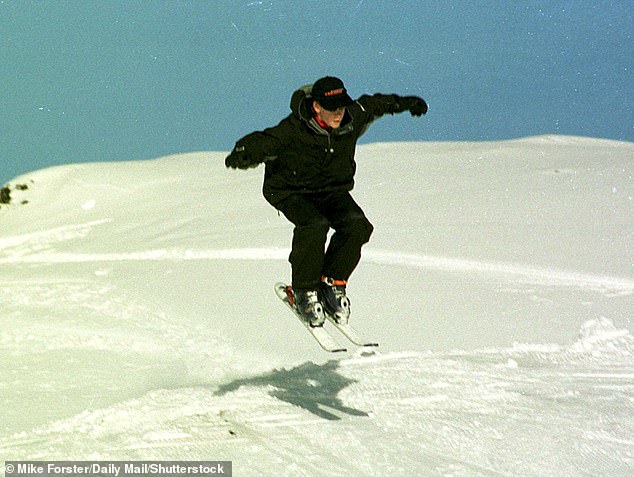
(415, 105)
(238, 159)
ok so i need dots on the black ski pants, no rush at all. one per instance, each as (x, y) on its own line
(313, 216)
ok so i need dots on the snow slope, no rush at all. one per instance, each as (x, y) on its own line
(139, 320)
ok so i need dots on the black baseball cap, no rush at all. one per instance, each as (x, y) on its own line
(330, 93)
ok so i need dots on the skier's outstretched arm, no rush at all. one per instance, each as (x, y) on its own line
(374, 106)
(256, 148)
(379, 104)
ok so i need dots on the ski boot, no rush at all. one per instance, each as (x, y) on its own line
(332, 294)
(308, 306)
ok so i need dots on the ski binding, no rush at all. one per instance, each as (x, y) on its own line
(323, 338)
(319, 333)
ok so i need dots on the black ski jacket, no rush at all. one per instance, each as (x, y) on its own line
(303, 157)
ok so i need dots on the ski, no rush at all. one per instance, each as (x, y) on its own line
(350, 333)
(323, 338)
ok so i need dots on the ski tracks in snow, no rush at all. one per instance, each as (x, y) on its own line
(445, 418)
(38, 248)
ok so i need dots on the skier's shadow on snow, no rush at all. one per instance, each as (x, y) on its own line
(309, 386)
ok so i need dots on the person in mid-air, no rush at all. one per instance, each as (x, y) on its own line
(309, 174)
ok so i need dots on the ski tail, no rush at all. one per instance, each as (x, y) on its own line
(352, 334)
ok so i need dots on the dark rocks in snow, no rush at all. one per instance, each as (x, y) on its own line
(5, 195)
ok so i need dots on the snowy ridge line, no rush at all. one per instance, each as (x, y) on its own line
(152, 255)
(542, 276)
(597, 338)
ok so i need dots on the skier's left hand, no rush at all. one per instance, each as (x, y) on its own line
(415, 105)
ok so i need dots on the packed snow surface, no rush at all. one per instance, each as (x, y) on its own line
(139, 320)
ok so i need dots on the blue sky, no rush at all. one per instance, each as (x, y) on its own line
(86, 80)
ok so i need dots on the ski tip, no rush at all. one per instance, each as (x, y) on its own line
(280, 286)
(280, 290)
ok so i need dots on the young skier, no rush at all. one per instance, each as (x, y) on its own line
(309, 174)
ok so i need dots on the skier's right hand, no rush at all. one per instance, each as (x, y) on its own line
(238, 159)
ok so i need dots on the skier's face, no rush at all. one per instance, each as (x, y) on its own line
(331, 118)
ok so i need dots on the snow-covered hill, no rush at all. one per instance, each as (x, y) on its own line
(139, 320)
